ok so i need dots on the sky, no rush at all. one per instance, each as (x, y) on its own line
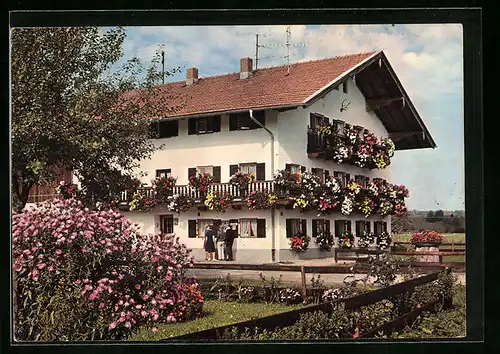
(427, 58)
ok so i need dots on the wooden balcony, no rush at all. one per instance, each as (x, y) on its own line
(233, 190)
(316, 143)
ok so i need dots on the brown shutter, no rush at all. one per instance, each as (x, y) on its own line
(312, 121)
(235, 221)
(303, 168)
(192, 126)
(288, 228)
(192, 228)
(348, 222)
(315, 228)
(261, 172)
(191, 171)
(314, 171)
(288, 167)
(261, 228)
(216, 176)
(233, 169)
(216, 123)
(327, 175)
(233, 122)
(358, 228)
(368, 226)
(347, 178)
(304, 225)
(327, 226)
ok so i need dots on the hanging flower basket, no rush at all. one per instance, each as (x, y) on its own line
(163, 187)
(299, 242)
(261, 200)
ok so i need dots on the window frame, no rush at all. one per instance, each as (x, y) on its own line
(164, 218)
(249, 164)
(339, 127)
(168, 122)
(200, 232)
(316, 171)
(344, 87)
(166, 171)
(292, 165)
(245, 118)
(240, 227)
(198, 169)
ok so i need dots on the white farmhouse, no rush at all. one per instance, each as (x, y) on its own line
(214, 133)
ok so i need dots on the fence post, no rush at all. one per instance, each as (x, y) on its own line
(304, 288)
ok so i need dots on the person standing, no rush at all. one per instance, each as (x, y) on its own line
(209, 243)
(221, 236)
(228, 242)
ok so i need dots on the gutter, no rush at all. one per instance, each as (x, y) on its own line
(273, 210)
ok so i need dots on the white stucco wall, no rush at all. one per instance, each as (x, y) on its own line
(292, 130)
(223, 148)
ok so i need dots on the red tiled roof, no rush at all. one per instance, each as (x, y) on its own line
(267, 87)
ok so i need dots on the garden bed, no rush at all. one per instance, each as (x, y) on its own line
(215, 313)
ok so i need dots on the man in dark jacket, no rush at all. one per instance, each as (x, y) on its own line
(228, 241)
(221, 236)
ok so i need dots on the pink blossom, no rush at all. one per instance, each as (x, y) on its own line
(112, 325)
(137, 286)
(58, 251)
(128, 324)
(121, 319)
(40, 265)
(154, 329)
(144, 313)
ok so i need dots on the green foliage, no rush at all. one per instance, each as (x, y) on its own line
(70, 110)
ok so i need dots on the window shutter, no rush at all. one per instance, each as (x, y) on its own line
(312, 121)
(368, 226)
(216, 123)
(315, 228)
(358, 228)
(327, 175)
(288, 167)
(191, 126)
(327, 226)
(304, 225)
(347, 178)
(191, 171)
(348, 222)
(233, 169)
(192, 228)
(261, 228)
(235, 221)
(303, 168)
(261, 172)
(384, 226)
(288, 228)
(233, 122)
(210, 124)
(216, 176)
(314, 170)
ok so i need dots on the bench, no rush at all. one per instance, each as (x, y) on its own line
(356, 251)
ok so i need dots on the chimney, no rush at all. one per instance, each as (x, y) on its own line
(246, 65)
(191, 76)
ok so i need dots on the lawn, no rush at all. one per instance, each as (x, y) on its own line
(216, 313)
(447, 237)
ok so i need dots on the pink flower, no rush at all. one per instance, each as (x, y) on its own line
(58, 251)
(112, 325)
(154, 329)
(121, 319)
(144, 313)
(137, 286)
(128, 324)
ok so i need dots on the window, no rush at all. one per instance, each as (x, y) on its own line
(293, 226)
(342, 177)
(295, 168)
(320, 225)
(339, 126)
(341, 226)
(168, 129)
(362, 180)
(248, 227)
(204, 125)
(164, 173)
(249, 168)
(380, 226)
(242, 121)
(344, 87)
(318, 172)
(362, 226)
(205, 169)
(167, 224)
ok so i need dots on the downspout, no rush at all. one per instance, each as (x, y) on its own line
(273, 210)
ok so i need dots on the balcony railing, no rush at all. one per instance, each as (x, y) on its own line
(316, 142)
(187, 190)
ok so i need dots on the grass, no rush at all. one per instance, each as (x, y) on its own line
(447, 237)
(215, 313)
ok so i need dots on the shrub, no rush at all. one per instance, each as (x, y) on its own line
(426, 236)
(261, 200)
(88, 275)
(289, 296)
(201, 182)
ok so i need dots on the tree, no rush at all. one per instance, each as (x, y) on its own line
(401, 224)
(430, 216)
(439, 215)
(70, 109)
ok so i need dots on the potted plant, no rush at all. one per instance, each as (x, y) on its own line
(384, 240)
(261, 200)
(325, 240)
(163, 186)
(219, 202)
(241, 180)
(346, 239)
(299, 242)
(200, 183)
(366, 239)
(427, 241)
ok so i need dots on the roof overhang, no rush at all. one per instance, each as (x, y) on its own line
(387, 98)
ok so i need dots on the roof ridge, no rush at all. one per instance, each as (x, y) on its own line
(279, 66)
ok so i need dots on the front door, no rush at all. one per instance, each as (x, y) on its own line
(166, 224)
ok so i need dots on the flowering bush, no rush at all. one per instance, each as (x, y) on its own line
(86, 275)
(241, 180)
(289, 297)
(427, 236)
(346, 240)
(325, 205)
(331, 295)
(287, 181)
(325, 240)
(299, 242)
(261, 200)
(163, 187)
(201, 182)
(247, 293)
(366, 239)
(384, 240)
(142, 202)
(179, 203)
(219, 202)
(367, 207)
(303, 203)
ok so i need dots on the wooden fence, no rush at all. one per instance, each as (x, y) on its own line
(290, 317)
